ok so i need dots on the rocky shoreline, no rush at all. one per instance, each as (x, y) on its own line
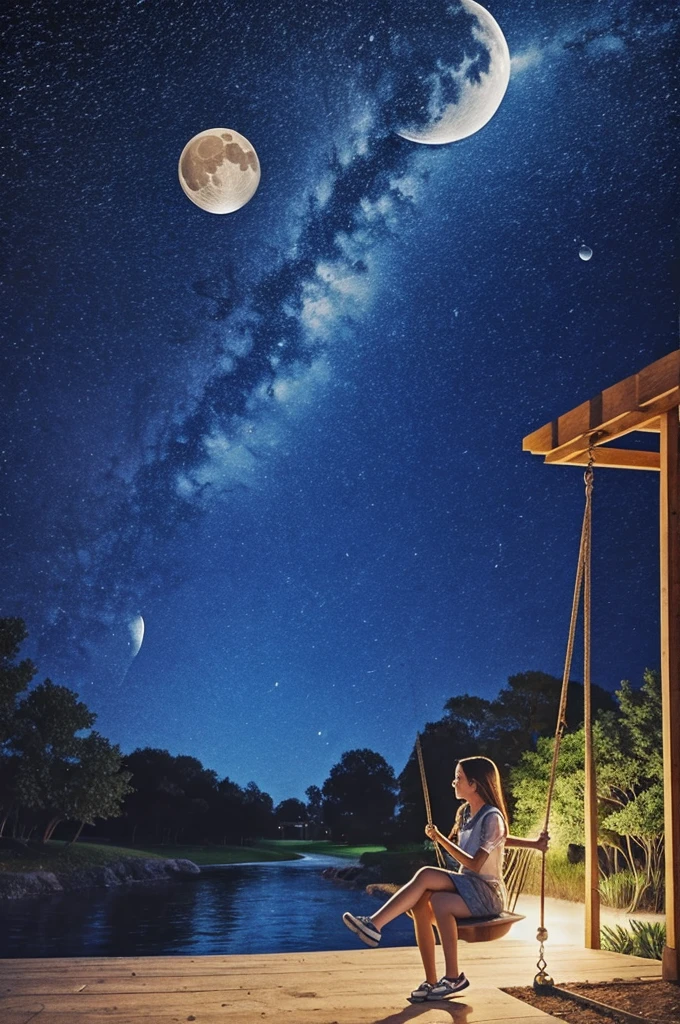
(379, 872)
(355, 876)
(17, 885)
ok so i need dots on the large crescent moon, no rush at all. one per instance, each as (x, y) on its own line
(478, 101)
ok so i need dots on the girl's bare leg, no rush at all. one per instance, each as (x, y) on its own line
(427, 879)
(423, 922)
(447, 907)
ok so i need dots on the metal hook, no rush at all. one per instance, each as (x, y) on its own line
(589, 475)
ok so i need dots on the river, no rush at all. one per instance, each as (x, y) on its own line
(278, 907)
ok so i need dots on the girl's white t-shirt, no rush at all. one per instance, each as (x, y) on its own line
(485, 830)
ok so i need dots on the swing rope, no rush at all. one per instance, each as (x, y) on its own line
(426, 796)
(517, 866)
(582, 585)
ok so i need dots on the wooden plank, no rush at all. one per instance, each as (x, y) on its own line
(629, 405)
(670, 679)
(271, 1003)
(166, 1016)
(542, 440)
(577, 422)
(620, 399)
(493, 1010)
(349, 987)
(609, 458)
(659, 378)
(635, 420)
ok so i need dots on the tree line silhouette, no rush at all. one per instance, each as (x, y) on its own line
(58, 775)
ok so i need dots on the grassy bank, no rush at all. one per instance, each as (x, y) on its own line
(58, 856)
(319, 846)
(62, 857)
(206, 855)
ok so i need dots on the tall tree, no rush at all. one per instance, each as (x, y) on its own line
(527, 708)
(60, 773)
(314, 805)
(160, 807)
(229, 821)
(97, 786)
(502, 729)
(360, 796)
(291, 810)
(443, 743)
(258, 811)
(14, 678)
(629, 767)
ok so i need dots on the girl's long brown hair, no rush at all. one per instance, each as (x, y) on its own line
(482, 771)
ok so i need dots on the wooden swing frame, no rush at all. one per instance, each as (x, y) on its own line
(648, 401)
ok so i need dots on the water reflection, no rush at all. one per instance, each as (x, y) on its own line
(254, 908)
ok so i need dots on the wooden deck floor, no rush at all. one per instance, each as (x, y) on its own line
(361, 986)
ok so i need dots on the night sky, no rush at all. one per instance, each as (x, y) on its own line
(290, 437)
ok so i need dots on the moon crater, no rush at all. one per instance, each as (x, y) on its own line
(219, 170)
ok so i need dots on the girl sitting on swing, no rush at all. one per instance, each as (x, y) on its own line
(474, 888)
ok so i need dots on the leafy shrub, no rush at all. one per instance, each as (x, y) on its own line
(563, 880)
(620, 890)
(644, 938)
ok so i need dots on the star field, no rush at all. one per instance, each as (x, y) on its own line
(290, 437)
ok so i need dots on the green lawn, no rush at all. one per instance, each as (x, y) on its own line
(58, 856)
(203, 855)
(62, 857)
(321, 846)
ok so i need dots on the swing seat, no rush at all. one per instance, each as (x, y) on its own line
(470, 929)
(486, 929)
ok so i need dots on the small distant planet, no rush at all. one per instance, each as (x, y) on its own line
(219, 170)
(136, 634)
(585, 252)
(465, 93)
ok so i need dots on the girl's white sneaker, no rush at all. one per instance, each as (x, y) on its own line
(448, 987)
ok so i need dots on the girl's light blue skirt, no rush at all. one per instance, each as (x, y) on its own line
(483, 897)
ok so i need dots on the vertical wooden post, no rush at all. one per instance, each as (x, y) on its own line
(592, 879)
(670, 679)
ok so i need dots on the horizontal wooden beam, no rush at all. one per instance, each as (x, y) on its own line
(633, 404)
(615, 458)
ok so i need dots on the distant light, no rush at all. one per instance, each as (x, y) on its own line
(585, 252)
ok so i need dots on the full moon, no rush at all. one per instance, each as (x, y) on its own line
(478, 91)
(219, 170)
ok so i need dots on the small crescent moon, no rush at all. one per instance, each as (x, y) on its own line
(136, 628)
